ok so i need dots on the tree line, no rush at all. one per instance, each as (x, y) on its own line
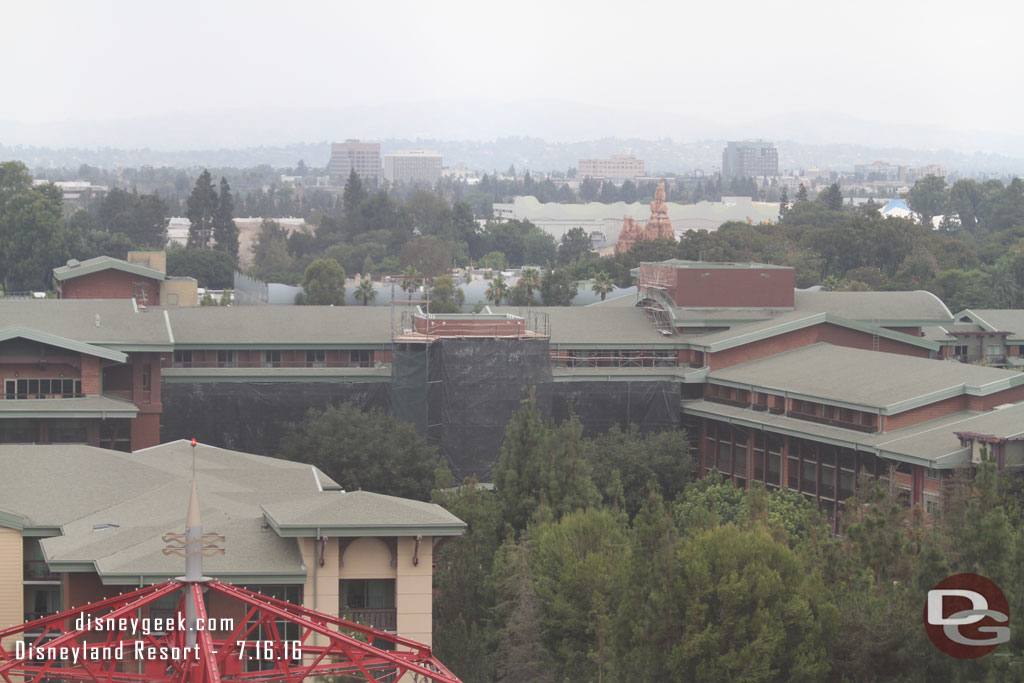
(609, 559)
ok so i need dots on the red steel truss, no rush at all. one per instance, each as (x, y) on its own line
(256, 650)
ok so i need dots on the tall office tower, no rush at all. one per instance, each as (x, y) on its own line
(412, 166)
(750, 158)
(363, 157)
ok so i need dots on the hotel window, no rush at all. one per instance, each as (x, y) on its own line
(364, 359)
(227, 359)
(316, 359)
(146, 378)
(182, 359)
(271, 359)
(960, 350)
(42, 388)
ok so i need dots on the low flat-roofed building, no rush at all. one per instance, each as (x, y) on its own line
(79, 523)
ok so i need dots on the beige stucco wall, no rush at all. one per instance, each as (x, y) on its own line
(414, 590)
(185, 288)
(320, 591)
(367, 558)
(157, 260)
(12, 601)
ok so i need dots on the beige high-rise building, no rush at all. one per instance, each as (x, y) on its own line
(618, 167)
(412, 166)
(362, 157)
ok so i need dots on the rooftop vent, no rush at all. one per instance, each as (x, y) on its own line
(105, 526)
(73, 263)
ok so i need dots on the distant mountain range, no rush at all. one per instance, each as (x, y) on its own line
(538, 135)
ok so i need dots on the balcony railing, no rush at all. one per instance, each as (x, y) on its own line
(276, 364)
(382, 619)
(38, 570)
(832, 422)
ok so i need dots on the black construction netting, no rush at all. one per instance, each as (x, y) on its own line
(475, 388)
(253, 416)
(652, 406)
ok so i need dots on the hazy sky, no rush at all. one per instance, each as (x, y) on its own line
(956, 65)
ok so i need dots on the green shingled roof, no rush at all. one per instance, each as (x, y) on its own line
(112, 508)
(857, 378)
(100, 263)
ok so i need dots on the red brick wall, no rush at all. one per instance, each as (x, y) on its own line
(90, 375)
(823, 332)
(928, 412)
(734, 287)
(111, 284)
(997, 399)
(145, 431)
(912, 331)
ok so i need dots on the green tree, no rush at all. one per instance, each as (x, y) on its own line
(530, 279)
(140, 218)
(201, 210)
(211, 269)
(363, 450)
(831, 197)
(429, 255)
(575, 245)
(929, 198)
(557, 288)
(494, 260)
(365, 291)
(446, 296)
(465, 628)
(270, 253)
(603, 285)
(649, 625)
(626, 464)
(497, 290)
(542, 466)
(352, 197)
(801, 193)
(225, 232)
(521, 655)
(746, 610)
(33, 238)
(580, 570)
(411, 281)
(324, 283)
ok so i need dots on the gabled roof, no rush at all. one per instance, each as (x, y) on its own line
(361, 513)
(62, 342)
(790, 322)
(293, 327)
(997, 320)
(884, 382)
(105, 511)
(94, 265)
(113, 323)
(905, 309)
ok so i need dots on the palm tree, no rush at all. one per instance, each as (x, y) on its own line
(410, 286)
(603, 285)
(498, 289)
(365, 291)
(531, 278)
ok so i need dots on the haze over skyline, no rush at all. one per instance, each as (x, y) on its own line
(240, 74)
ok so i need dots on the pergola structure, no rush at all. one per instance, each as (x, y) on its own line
(109, 642)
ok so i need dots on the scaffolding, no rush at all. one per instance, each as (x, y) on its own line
(653, 292)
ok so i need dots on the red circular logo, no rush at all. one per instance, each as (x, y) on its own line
(967, 616)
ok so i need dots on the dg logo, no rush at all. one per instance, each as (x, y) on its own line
(967, 616)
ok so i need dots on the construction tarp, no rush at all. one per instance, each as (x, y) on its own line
(253, 416)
